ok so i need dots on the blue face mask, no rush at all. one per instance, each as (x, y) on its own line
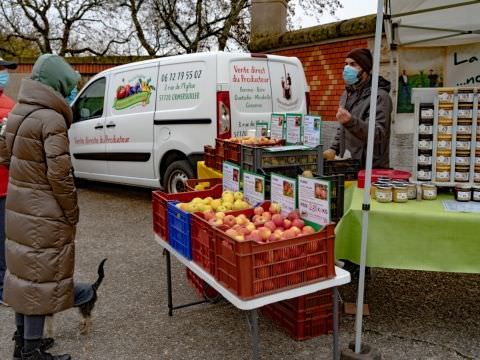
(350, 74)
(72, 96)
(4, 79)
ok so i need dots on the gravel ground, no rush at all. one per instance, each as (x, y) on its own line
(414, 315)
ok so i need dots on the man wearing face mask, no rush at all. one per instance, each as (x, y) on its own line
(353, 113)
(6, 105)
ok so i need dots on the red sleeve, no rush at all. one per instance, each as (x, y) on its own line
(6, 105)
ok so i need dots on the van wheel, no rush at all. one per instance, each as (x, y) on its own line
(176, 174)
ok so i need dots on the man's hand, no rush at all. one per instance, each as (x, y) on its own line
(343, 116)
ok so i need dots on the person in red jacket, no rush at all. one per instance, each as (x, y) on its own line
(6, 105)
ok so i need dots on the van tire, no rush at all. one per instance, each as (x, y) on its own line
(176, 174)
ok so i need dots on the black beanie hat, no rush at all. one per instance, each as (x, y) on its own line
(362, 57)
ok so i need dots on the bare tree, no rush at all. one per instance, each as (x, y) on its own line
(62, 26)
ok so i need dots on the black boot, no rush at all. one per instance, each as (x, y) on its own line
(47, 343)
(38, 354)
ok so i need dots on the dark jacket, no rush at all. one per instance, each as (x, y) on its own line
(353, 136)
(41, 207)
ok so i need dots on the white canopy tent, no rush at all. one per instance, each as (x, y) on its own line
(410, 23)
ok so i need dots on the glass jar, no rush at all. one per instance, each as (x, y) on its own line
(424, 173)
(444, 157)
(444, 144)
(384, 193)
(463, 193)
(429, 192)
(411, 191)
(464, 129)
(476, 193)
(445, 95)
(463, 142)
(425, 129)
(465, 112)
(462, 173)
(476, 176)
(424, 144)
(442, 174)
(400, 193)
(444, 132)
(425, 159)
(465, 96)
(426, 113)
(477, 161)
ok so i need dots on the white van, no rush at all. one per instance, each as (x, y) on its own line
(146, 123)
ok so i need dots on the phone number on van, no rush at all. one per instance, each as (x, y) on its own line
(181, 75)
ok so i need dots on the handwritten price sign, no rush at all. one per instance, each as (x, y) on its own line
(314, 200)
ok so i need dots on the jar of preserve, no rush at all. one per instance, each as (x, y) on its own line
(464, 129)
(425, 129)
(411, 191)
(462, 173)
(424, 173)
(463, 193)
(463, 142)
(445, 95)
(444, 132)
(425, 144)
(444, 144)
(384, 193)
(400, 193)
(476, 176)
(424, 158)
(442, 174)
(465, 112)
(429, 192)
(476, 193)
(461, 160)
(444, 157)
(426, 113)
(465, 96)
(477, 161)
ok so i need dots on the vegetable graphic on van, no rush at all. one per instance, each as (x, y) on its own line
(137, 92)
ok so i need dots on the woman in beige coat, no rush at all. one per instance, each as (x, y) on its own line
(41, 207)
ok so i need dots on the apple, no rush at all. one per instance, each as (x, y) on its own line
(229, 220)
(299, 223)
(232, 233)
(239, 238)
(251, 226)
(237, 195)
(265, 233)
(243, 231)
(275, 208)
(260, 221)
(241, 220)
(278, 219)
(293, 215)
(296, 230)
(258, 210)
(271, 225)
(287, 224)
(209, 214)
(254, 236)
(267, 215)
(307, 230)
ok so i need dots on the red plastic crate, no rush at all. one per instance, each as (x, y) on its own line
(203, 239)
(200, 286)
(208, 149)
(209, 160)
(302, 324)
(252, 269)
(159, 206)
(191, 183)
(220, 147)
(218, 163)
(233, 152)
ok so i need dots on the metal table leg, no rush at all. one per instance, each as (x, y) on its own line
(336, 354)
(252, 319)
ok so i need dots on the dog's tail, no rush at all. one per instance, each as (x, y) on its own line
(101, 275)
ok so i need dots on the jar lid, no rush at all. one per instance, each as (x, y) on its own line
(443, 168)
(400, 186)
(384, 187)
(429, 186)
(476, 188)
(462, 167)
(463, 187)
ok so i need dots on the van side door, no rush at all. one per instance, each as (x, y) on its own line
(87, 132)
(129, 122)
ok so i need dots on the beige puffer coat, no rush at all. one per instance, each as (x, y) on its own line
(41, 208)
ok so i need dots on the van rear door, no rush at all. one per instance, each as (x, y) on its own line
(250, 92)
(129, 122)
(289, 85)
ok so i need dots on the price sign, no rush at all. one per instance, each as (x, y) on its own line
(311, 130)
(253, 187)
(284, 191)
(277, 126)
(231, 176)
(261, 129)
(314, 200)
(294, 128)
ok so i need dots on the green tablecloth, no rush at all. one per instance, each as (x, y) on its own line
(418, 235)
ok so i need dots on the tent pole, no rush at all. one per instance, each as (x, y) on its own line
(368, 175)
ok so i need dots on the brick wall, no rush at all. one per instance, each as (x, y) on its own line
(323, 66)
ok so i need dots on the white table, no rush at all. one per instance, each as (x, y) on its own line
(342, 277)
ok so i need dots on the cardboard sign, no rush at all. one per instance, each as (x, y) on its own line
(253, 187)
(277, 126)
(231, 176)
(284, 192)
(294, 128)
(261, 129)
(314, 200)
(312, 130)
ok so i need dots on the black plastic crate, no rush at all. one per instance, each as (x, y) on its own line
(261, 160)
(348, 168)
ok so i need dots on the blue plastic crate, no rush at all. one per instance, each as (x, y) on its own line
(179, 230)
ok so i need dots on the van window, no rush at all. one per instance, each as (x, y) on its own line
(90, 103)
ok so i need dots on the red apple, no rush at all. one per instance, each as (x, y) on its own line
(229, 220)
(258, 210)
(267, 215)
(286, 224)
(296, 230)
(209, 214)
(293, 215)
(278, 219)
(232, 233)
(299, 223)
(265, 233)
(255, 236)
(271, 225)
